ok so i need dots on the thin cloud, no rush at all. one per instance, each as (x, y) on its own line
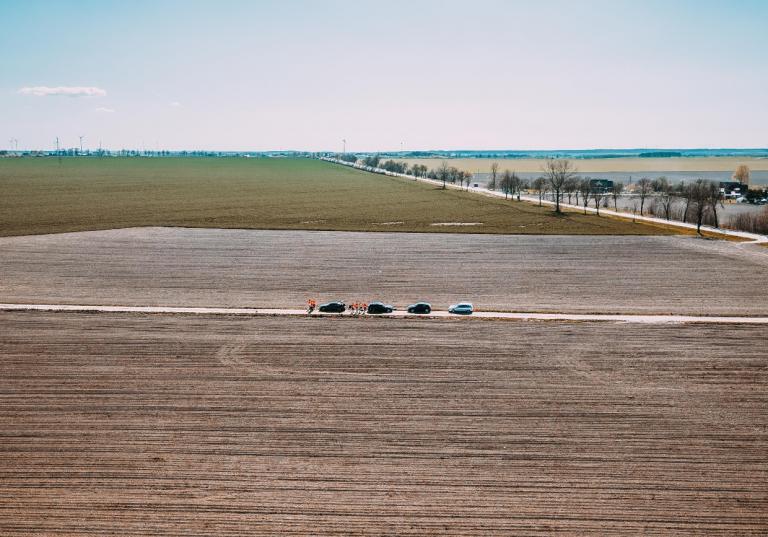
(105, 110)
(66, 91)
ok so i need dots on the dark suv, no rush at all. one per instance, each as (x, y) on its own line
(421, 308)
(377, 308)
(333, 307)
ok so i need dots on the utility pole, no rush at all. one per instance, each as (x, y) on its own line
(57, 145)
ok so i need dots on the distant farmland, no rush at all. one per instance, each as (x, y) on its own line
(45, 195)
(604, 165)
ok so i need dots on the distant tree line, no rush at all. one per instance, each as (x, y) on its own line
(695, 202)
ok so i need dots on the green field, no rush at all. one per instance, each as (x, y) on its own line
(50, 195)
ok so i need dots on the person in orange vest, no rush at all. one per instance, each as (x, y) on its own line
(311, 306)
(363, 307)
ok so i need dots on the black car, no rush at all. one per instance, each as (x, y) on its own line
(333, 307)
(421, 308)
(376, 308)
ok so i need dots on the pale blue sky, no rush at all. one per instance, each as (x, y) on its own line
(263, 75)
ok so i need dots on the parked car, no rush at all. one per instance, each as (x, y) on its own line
(421, 308)
(462, 308)
(333, 307)
(376, 308)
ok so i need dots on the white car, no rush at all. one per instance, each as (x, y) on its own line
(462, 308)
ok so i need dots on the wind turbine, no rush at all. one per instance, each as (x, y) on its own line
(57, 145)
(344, 142)
(81, 144)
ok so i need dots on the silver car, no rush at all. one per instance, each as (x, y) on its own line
(462, 308)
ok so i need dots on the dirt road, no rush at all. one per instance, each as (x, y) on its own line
(497, 315)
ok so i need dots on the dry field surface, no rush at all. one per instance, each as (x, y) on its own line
(686, 164)
(192, 425)
(281, 269)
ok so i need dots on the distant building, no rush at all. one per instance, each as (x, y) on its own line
(733, 189)
(600, 185)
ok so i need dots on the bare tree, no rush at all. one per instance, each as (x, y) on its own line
(598, 193)
(741, 174)
(467, 179)
(585, 189)
(714, 198)
(443, 172)
(540, 186)
(453, 175)
(516, 184)
(660, 183)
(616, 190)
(666, 200)
(557, 172)
(686, 191)
(419, 170)
(699, 197)
(506, 184)
(644, 188)
(494, 173)
(571, 186)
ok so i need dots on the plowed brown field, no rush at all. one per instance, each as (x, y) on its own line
(117, 424)
(282, 269)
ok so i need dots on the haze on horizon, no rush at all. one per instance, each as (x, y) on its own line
(420, 75)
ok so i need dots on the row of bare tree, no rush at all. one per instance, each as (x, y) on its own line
(692, 202)
(559, 179)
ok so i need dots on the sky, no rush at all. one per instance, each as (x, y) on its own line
(418, 75)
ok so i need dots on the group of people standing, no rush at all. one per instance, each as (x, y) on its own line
(356, 308)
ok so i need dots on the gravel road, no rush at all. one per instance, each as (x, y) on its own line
(497, 315)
